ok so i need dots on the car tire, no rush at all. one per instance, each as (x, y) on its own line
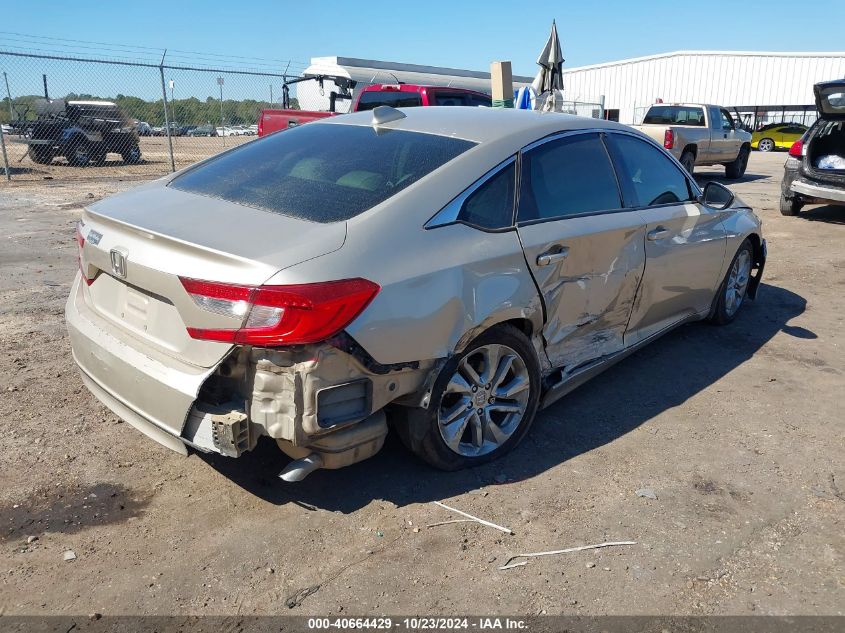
(766, 145)
(38, 155)
(790, 206)
(734, 287)
(80, 154)
(736, 169)
(688, 161)
(494, 431)
(131, 156)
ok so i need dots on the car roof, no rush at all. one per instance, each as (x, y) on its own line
(478, 124)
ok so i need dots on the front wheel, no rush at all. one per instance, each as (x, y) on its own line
(736, 169)
(735, 285)
(132, 155)
(766, 145)
(482, 403)
(80, 154)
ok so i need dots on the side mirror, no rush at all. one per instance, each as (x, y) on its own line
(717, 196)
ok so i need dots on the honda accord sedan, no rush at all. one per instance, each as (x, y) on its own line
(447, 270)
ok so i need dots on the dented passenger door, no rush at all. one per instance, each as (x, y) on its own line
(584, 249)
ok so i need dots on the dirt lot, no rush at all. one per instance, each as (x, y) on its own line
(155, 159)
(738, 430)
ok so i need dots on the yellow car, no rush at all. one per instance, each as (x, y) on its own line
(777, 135)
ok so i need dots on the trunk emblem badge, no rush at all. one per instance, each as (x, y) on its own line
(118, 262)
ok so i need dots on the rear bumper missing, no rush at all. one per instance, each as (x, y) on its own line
(308, 398)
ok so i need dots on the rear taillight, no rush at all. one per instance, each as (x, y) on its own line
(280, 315)
(80, 242)
(669, 139)
(797, 149)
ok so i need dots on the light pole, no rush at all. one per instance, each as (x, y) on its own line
(222, 120)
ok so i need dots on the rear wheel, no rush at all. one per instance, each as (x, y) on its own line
(790, 206)
(40, 155)
(736, 169)
(766, 145)
(482, 403)
(688, 161)
(735, 285)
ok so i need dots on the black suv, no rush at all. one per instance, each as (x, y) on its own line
(814, 173)
(84, 132)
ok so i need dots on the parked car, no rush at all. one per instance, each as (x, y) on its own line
(699, 134)
(395, 95)
(83, 132)
(143, 128)
(203, 130)
(777, 136)
(466, 266)
(814, 172)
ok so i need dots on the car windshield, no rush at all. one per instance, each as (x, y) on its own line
(320, 172)
(675, 115)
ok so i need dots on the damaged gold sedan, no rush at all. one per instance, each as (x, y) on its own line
(464, 266)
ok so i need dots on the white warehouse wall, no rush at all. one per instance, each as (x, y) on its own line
(724, 78)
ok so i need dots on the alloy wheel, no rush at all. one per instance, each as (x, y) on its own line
(484, 401)
(766, 145)
(737, 282)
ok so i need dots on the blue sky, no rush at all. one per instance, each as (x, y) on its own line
(464, 34)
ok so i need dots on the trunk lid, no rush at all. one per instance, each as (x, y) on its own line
(830, 99)
(138, 244)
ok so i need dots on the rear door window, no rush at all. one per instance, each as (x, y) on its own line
(567, 177)
(647, 175)
(393, 98)
(322, 172)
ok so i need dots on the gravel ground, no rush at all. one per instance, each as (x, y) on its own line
(737, 430)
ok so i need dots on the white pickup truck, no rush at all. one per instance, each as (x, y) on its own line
(699, 134)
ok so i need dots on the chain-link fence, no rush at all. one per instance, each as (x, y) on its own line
(73, 117)
(68, 117)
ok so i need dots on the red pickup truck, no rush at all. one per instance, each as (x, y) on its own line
(395, 95)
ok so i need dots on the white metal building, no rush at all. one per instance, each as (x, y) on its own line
(770, 82)
(369, 71)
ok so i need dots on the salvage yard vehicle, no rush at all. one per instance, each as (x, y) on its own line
(370, 97)
(777, 136)
(814, 173)
(455, 268)
(698, 134)
(83, 132)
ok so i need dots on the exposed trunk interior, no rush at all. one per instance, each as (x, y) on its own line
(826, 152)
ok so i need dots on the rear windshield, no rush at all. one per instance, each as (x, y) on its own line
(393, 98)
(319, 172)
(675, 115)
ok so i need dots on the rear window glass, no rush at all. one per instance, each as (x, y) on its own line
(319, 172)
(394, 99)
(675, 115)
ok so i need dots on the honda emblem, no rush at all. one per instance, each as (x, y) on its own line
(118, 263)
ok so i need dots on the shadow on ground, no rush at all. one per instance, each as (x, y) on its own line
(830, 213)
(655, 379)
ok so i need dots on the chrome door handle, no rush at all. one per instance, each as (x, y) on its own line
(658, 234)
(552, 257)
